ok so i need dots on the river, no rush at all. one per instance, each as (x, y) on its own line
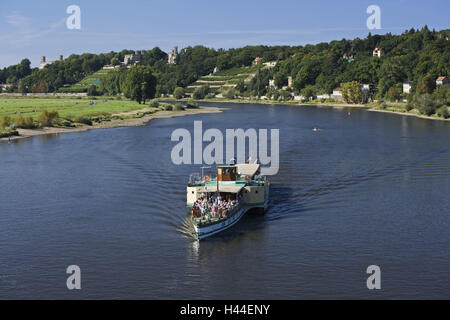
(369, 188)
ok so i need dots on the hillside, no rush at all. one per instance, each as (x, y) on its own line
(92, 79)
(224, 80)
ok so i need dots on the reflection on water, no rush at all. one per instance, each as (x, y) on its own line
(369, 188)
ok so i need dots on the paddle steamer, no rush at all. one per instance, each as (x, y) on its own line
(218, 203)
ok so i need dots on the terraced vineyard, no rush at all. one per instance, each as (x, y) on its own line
(224, 80)
(83, 85)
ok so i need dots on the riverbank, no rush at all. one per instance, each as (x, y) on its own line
(270, 102)
(408, 114)
(128, 121)
(368, 107)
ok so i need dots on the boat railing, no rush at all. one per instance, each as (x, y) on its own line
(207, 216)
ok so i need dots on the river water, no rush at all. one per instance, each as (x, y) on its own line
(368, 189)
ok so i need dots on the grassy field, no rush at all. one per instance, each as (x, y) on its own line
(66, 107)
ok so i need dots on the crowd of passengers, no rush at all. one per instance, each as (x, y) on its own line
(215, 206)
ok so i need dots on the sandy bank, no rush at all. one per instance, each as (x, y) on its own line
(409, 114)
(132, 122)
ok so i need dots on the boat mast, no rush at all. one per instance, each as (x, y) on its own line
(217, 179)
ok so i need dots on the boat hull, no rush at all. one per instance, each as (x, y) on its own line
(207, 231)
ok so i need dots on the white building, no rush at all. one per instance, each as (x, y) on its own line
(173, 56)
(130, 59)
(337, 94)
(45, 63)
(441, 81)
(377, 52)
(406, 87)
(323, 96)
(272, 83)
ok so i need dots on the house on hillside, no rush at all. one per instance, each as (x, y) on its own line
(407, 86)
(270, 64)
(110, 66)
(130, 59)
(257, 60)
(441, 81)
(323, 96)
(377, 52)
(4, 86)
(272, 83)
(337, 94)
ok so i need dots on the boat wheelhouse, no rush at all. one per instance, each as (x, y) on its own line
(217, 203)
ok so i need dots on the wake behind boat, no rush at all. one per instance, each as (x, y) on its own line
(218, 204)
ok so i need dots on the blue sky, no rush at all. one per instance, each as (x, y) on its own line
(30, 29)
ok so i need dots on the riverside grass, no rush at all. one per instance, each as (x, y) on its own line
(68, 108)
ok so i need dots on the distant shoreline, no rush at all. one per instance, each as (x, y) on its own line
(318, 105)
(133, 122)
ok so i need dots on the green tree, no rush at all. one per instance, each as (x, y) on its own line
(47, 119)
(230, 94)
(140, 84)
(394, 94)
(115, 61)
(442, 95)
(427, 84)
(308, 92)
(178, 93)
(351, 92)
(443, 112)
(425, 104)
(201, 92)
(19, 121)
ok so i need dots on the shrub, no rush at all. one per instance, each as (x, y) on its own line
(8, 133)
(230, 94)
(47, 119)
(166, 107)
(19, 121)
(200, 92)
(67, 123)
(5, 122)
(29, 123)
(443, 112)
(178, 93)
(409, 107)
(84, 120)
(192, 104)
(178, 107)
(24, 123)
(425, 104)
(154, 103)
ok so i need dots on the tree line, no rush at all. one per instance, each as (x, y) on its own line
(416, 56)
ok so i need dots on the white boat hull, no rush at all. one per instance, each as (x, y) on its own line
(207, 231)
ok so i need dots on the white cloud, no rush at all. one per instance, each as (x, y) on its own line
(25, 31)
